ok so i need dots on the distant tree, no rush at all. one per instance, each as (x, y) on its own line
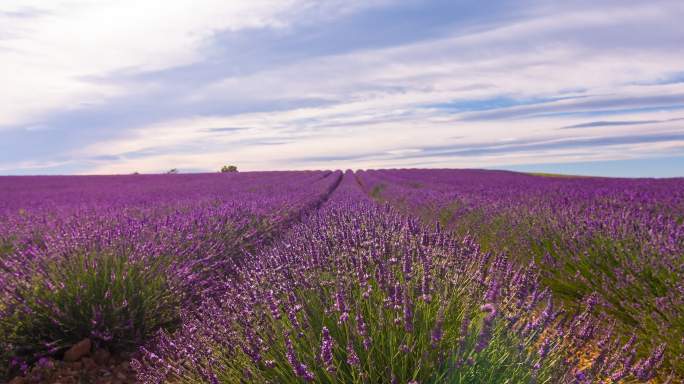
(228, 168)
(136, 173)
(172, 171)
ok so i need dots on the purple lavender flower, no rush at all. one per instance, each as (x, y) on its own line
(486, 331)
(326, 350)
(408, 314)
(645, 369)
(300, 369)
(352, 357)
(362, 329)
(437, 330)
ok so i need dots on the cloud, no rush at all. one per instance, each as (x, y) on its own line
(594, 124)
(227, 129)
(37, 128)
(535, 146)
(22, 12)
(295, 84)
(579, 146)
(495, 103)
(53, 58)
(601, 104)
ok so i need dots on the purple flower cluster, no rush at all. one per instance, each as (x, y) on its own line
(356, 273)
(619, 239)
(189, 230)
(408, 276)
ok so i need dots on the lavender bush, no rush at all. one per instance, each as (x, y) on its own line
(116, 268)
(621, 239)
(359, 293)
(394, 276)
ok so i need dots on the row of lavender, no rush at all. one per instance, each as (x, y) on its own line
(359, 293)
(620, 240)
(114, 258)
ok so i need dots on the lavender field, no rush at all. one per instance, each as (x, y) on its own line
(379, 276)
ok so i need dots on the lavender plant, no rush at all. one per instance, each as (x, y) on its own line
(359, 293)
(621, 239)
(106, 297)
(456, 276)
(117, 269)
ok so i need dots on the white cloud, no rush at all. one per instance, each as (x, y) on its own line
(53, 49)
(379, 142)
(378, 113)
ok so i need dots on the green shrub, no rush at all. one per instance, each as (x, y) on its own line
(115, 301)
(392, 351)
(642, 297)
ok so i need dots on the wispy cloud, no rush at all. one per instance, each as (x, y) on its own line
(226, 129)
(596, 105)
(619, 123)
(324, 84)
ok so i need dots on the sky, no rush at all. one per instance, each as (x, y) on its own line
(121, 86)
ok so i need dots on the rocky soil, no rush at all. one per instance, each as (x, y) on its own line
(81, 364)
